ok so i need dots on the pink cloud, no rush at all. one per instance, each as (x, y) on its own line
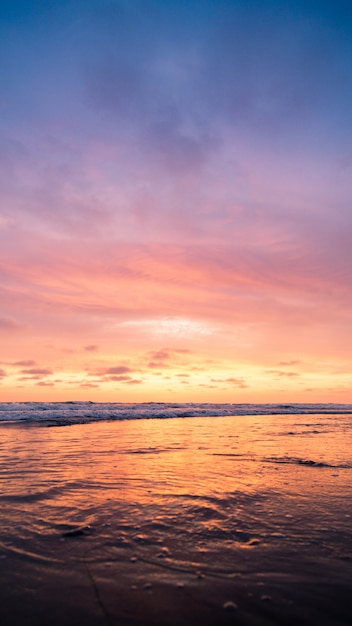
(280, 373)
(38, 371)
(8, 324)
(161, 355)
(43, 383)
(238, 382)
(23, 378)
(289, 363)
(28, 363)
(118, 369)
(157, 365)
(89, 385)
(171, 279)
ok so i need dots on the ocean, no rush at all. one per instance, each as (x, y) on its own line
(62, 413)
(161, 514)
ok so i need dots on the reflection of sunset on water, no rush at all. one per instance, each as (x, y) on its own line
(178, 504)
(147, 462)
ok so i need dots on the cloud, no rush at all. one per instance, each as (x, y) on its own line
(179, 350)
(159, 358)
(43, 383)
(237, 382)
(289, 363)
(9, 325)
(117, 369)
(174, 291)
(91, 348)
(168, 357)
(25, 363)
(157, 365)
(160, 355)
(37, 371)
(89, 385)
(150, 92)
(284, 374)
(161, 76)
(2, 373)
(117, 373)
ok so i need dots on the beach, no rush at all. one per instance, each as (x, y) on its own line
(241, 519)
(176, 313)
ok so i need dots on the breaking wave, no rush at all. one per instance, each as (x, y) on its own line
(66, 413)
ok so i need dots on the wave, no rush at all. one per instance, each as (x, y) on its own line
(67, 413)
(307, 462)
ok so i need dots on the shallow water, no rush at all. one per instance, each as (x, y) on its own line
(223, 498)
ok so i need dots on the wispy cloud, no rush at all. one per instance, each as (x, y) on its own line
(37, 371)
(289, 363)
(283, 373)
(236, 382)
(45, 383)
(24, 363)
(117, 369)
(91, 348)
(9, 325)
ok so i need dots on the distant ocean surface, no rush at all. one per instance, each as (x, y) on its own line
(66, 413)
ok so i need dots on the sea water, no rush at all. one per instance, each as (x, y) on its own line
(222, 493)
(82, 412)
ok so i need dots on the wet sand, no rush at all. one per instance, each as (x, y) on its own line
(96, 592)
(198, 522)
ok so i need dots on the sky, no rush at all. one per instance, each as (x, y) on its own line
(176, 200)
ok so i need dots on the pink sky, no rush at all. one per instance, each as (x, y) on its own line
(175, 225)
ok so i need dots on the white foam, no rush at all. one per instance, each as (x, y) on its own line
(78, 412)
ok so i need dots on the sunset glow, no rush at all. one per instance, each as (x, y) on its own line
(175, 201)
